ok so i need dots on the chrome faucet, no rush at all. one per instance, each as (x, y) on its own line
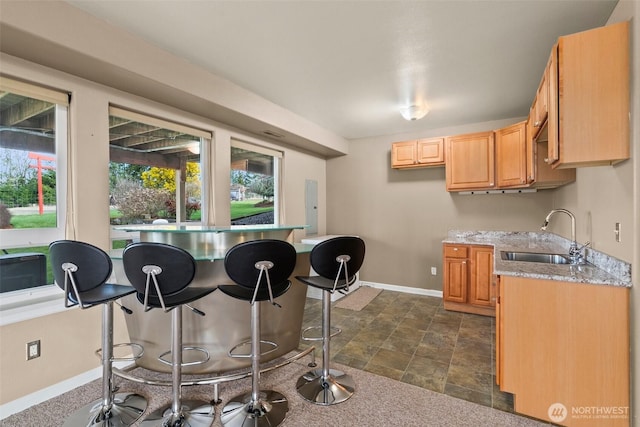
(575, 252)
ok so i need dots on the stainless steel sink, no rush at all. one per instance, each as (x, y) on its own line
(535, 257)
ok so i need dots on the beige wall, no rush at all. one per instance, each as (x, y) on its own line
(68, 341)
(67, 349)
(403, 215)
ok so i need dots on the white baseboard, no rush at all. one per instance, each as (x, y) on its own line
(404, 289)
(54, 390)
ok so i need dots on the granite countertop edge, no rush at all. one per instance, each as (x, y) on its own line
(602, 269)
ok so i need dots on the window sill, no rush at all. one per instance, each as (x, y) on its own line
(27, 304)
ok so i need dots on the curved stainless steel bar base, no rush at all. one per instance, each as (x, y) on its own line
(269, 410)
(125, 410)
(194, 413)
(334, 388)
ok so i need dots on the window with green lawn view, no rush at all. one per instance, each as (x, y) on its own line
(254, 184)
(33, 140)
(154, 171)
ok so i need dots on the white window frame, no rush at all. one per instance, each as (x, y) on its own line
(205, 139)
(277, 172)
(27, 237)
(25, 304)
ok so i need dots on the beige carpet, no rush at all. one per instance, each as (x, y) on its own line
(358, 299)
(378, 401)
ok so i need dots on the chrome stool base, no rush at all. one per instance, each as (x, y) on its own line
(194, 413)
(335, 388)
(269, 410)
(125, 410)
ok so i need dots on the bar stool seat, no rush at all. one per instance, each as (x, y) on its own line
(82, 271)
(260, 270)
(337, 261)
(161, 275)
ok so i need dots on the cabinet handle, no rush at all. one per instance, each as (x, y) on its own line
(546, 160)
(464, 262)
(536, 124)
(455, 249)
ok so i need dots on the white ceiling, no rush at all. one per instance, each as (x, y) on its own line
(349, 66)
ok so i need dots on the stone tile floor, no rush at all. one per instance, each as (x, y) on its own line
(413, 339)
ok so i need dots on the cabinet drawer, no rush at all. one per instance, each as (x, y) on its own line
(456, 251)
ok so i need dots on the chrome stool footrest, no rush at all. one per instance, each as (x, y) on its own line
(335, 331)
(133, 358)
(206, 358)
(231, 353)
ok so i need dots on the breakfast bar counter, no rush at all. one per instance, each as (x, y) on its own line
(226, 321)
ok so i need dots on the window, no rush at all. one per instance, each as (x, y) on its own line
(155, 173)
(33, 144)
(255, 180)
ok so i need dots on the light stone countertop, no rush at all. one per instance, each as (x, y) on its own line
(601, 269)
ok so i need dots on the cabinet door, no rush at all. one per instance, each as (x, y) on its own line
(455, 280)
(403, 154)
(542, 96)
(511, 158)
(430, 151)
(470, 161)
(552, 128)
(499, 333)
(565, 342)
(531, 152)
(481, 285)
(593, 87)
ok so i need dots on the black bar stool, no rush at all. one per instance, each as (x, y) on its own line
(261, 270)
(82, 271)
(336, 261)
(161, 275)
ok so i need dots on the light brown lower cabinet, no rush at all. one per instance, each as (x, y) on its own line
(562, 349)
(469, 284)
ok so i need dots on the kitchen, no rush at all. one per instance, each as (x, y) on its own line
(406, 214)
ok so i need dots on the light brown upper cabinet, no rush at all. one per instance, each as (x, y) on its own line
(470, 161)
(511, 156)
(417, 154)
(540, 174)
(540, 108)
(589, 83)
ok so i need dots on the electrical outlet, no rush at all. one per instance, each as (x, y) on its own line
(434, 271)
(33, 349)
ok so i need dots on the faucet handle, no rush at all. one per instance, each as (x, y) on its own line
(584, 246)
(575, 253)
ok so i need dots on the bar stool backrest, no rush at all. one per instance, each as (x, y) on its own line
(78, 267)
(339, 258)
(242, 262)
(158, 269)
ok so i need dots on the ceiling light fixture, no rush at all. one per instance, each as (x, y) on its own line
(414, 112)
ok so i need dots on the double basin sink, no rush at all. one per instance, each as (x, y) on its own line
(536, 257)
